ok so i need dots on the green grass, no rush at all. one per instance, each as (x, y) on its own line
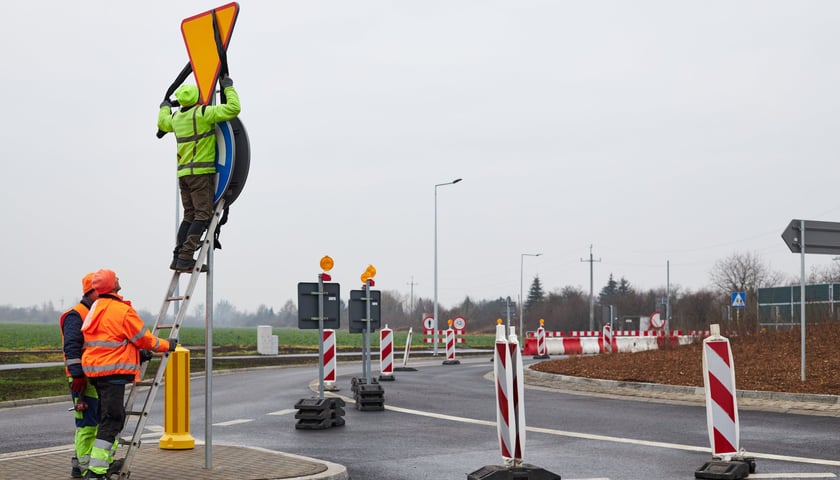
(19, 336)
(50, 381)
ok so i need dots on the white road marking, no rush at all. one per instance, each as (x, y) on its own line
(285, 411)
(792, 475)
(233, 422)
(606, 438)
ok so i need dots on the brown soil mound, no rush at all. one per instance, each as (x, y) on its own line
(768, 361)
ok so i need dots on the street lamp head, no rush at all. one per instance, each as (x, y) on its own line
(457, 180)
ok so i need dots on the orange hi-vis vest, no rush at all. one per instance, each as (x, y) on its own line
(114, 335)
(82, 310)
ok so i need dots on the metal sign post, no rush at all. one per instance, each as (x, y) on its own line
(823, 238)
(321, 335)
(366, 335)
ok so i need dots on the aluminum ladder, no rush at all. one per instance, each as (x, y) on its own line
(139, 417)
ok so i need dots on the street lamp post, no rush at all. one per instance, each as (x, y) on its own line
(521, 298)
(435, 347)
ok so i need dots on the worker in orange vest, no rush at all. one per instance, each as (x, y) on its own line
(83, 394)
(114, 337)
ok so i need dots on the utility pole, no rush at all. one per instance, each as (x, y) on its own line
(591, 289)
(411, 296)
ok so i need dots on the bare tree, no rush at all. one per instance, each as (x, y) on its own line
(743, 272)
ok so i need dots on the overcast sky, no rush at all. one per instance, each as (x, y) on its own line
(654, 130)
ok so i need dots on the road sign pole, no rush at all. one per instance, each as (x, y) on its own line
(802, 295)
(320, 336)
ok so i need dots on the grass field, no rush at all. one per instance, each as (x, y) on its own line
(20, 336)
(29, 343)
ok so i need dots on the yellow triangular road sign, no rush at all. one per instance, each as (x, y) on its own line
(201, 45)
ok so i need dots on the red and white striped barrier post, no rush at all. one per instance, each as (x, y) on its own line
(329, 360)
(518, 398)
(406, 353)
(722, 411)
(505, 414)
(608, 338)
(510, 413)
(386, 354)
(450, 346)
(542, 348)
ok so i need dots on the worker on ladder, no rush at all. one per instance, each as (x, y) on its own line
(195, 132)
(83, 394)
(114, 337)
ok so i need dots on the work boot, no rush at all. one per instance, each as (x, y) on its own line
(184, 265)
(115, 467)
(90, 475)
(75, 470)
(183, 229)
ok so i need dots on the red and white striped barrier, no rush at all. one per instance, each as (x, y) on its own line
(607, 343)
(506, 417)
(386, 354)
(541, 348)
(518, 392)
(329, 358)
(429, 336)
(450, 346)
(721, 402)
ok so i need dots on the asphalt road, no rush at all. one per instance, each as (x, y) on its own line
(440, 424)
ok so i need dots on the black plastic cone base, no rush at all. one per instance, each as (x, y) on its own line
(451, 362)
(405, 369)
(541, 357)
(500, 472)
(735, 469)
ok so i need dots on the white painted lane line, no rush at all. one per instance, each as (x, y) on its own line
(233, 422)
(792, 475)
(606, 438)
(285, 411)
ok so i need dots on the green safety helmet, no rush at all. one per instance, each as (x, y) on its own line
(187, 95)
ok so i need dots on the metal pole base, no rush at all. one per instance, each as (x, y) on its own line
(451, 362)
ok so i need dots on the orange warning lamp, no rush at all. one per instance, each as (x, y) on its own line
(499, 321)
(450, 323)
(326, 265)
(542, 322)
(368, 274)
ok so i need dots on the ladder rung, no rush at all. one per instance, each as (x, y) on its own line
(144, 383)
(125, 441)
(165, 327)
(134, 413)
(177, 298)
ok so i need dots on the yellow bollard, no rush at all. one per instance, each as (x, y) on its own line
(176, 407)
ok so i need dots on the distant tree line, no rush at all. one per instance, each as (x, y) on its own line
(564, 309)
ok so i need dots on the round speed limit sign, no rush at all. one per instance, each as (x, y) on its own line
(459, 323)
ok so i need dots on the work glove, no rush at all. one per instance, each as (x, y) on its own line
(173, 342)
(225, 82)
(166, 103)
(78, 385)
(145, 356)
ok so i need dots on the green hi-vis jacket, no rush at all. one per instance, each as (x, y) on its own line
(195, 131)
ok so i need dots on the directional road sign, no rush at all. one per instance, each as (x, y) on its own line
(820, 237)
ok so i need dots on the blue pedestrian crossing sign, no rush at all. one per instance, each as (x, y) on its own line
(739, 299)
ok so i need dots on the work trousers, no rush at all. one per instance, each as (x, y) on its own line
(111, 422)
(197, 193)
(86, 423)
